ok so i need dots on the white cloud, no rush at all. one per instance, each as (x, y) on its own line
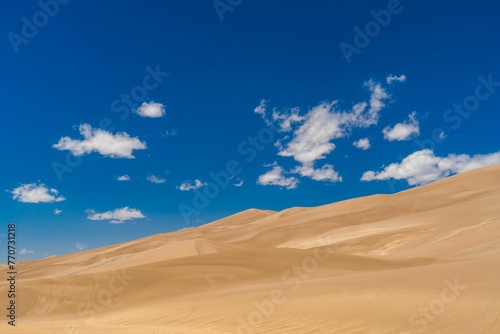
(151, 110)
(275, 177)
(25, 251)
(378, 95)
(117, 216)
(36, 193)
(324, 123)
(312, 140)
(80, 246)
(286, 120)
(170, 133)
(120, 145)
(156, 179)
(325, 173)
(391, 78)
(403, 131)
(423, 166)
(364, 114)
(123, 178)
(362, 144)
(57, 211)
(261, 108)
(239, 183)
(190, 185)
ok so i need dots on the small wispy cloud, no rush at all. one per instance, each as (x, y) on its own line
(156, 179)
(398, 78)
(36, 193)
(80, 246)
(261, 109)
(191, 185)
(57, 211)
(123, 178)
(117, 216)
(362, 144)
(239, 183)
(170, 133)
(285, 120)
(325, 173)
(25, 251)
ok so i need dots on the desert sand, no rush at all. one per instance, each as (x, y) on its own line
(425, 260)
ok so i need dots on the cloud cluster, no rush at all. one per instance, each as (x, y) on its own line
(424, 166)
(314, 131)
(410, 128)
(119, 145)
(36, 193)
(151, 110)
(117, 216)
(191, 185)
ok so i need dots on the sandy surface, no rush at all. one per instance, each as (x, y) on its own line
(426, 260)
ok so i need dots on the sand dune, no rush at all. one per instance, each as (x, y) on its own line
(426, 260)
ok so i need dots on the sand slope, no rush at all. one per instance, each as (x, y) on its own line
(426, 260)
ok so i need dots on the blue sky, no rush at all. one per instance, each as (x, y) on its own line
(166, 95)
